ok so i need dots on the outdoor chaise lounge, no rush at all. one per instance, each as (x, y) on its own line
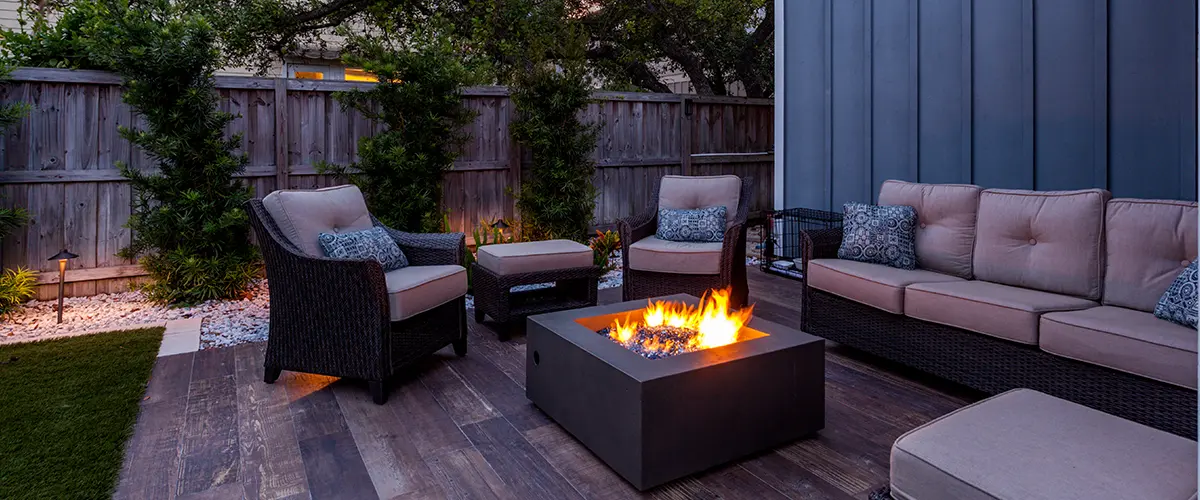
(655, 267)
(1052, 291)
(348, 318)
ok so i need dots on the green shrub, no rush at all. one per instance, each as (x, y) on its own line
(189, 228)
(557, 198)
(419, 100)
(16, 286)
(55, 35)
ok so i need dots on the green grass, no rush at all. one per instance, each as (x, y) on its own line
(67, 406)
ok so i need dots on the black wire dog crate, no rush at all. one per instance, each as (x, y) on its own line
(782, 249)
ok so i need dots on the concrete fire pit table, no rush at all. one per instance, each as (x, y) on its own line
(656, 420)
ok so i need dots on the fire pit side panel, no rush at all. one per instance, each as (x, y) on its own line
(719, 413)
(596, 403)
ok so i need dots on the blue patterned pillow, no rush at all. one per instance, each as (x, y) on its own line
(374, 243)
(1179, 304)
(880, 234)
(699, 225)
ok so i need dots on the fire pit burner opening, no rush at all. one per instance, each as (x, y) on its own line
(666, 328)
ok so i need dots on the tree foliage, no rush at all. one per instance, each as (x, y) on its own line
(631, 43)
(188, 224)
(419, 101)
(53, 35)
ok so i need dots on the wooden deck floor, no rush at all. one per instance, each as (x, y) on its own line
(462, 428)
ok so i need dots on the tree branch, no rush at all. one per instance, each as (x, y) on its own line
(743, 66)
(638, 72)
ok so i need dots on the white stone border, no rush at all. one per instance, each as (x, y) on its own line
(182, 336)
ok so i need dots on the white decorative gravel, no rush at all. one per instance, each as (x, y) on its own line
(225, 322)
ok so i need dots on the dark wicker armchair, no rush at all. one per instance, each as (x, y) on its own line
(335, 317)
(642, 281)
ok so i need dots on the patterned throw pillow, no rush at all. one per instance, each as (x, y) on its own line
(1179, 304)
(700, 225)
(880, 234)
(374, 243)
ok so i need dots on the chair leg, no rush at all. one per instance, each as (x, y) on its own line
(378, 391)
(478, 315)
(460, 347)
(270, 374)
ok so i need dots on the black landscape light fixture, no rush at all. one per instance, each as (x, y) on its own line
(500, 225)
(62, 259)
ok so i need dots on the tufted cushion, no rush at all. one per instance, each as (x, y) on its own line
(303, 215)
(1043, 240)
(879, 235)
(1148, 243)
(945, 222)
(690, 192)
(701, 224)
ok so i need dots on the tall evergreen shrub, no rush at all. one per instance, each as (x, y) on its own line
(189, 228)
(557, 198)
(419, 100)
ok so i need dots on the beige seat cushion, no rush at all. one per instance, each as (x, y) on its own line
(689, 192)
(1002, 311)
(679, 257)
(945, 222)
(303, 215)
(1026, 445)
(1124, 339)
(413, 290)
(1044, 240)
(875, 285)
(1149, 242)
(530, 256)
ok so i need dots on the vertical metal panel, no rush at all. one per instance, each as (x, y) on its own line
(1070, 81)
(851, 97)
(1003, 95)
(1152, 103)
(945, 88)
(807, 184)
(893, 106)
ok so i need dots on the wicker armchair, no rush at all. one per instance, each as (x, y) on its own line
(642, 281)
(335, 316)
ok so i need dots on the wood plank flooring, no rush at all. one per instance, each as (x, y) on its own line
(462, 428)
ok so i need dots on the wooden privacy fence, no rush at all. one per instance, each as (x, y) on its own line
(59, 163)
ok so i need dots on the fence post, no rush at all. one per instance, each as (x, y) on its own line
(685, 135)
(281, 137)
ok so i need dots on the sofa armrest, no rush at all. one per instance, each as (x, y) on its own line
(429, 249)
(634, 228)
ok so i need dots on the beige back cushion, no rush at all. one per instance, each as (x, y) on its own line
(945, 222)
(303, 215)
(688, 192)
(1043, 240)
(1148, 242)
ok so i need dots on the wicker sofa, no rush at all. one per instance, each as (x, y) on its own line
(348, 318)
(653, 267)
(1052, 291)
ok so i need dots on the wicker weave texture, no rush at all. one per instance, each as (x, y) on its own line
(646, 284)
(331, 316)
(573, 288)
(987, 363)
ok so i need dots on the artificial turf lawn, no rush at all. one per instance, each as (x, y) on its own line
(67, 406)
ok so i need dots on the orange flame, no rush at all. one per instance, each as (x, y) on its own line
(715, 325)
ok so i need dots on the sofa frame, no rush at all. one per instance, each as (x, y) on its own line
(983, 362)
(331, 316)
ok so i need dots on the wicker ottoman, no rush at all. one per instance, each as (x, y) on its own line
(1028, 445)
(499, 268)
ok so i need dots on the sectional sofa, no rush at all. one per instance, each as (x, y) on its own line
(1052, 291)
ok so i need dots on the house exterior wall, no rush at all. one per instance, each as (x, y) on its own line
(1028, 94)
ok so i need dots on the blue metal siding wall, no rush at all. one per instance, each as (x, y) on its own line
(1028, 94)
